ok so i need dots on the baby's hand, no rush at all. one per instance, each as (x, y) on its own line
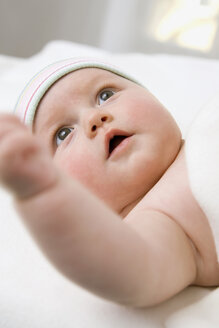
(25, 166)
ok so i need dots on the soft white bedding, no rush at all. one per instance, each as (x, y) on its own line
(32, 293)
(202, 157)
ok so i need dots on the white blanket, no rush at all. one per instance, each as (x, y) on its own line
(32, 293)
(202, 153)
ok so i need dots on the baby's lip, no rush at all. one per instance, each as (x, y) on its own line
(113, 138)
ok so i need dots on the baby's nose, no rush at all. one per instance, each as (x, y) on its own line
(96, 120)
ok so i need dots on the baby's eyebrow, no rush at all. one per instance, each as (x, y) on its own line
(48, 126)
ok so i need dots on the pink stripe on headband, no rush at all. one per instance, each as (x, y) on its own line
(54, 72)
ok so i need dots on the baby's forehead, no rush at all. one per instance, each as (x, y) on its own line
(91, 72)
(72, 89)
(88, 76)
(35, 90)
(82, 81)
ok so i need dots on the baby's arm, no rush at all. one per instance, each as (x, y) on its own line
(139, 261)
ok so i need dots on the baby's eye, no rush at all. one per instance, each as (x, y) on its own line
(62, 134)
(104, 95)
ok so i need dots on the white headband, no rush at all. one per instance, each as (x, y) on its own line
(35, 90)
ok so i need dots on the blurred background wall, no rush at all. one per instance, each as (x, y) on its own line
(189, 27)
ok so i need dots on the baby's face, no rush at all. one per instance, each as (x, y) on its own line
(109, 133)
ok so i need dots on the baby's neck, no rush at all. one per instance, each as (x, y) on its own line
(125, 211)
(128, 208)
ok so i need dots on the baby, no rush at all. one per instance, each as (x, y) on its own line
(100, 179)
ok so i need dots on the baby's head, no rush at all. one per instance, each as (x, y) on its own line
(101, 127)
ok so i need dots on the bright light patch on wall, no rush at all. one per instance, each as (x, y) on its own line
(189, 23)
(200, 37)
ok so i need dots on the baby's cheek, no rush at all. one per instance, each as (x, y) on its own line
(79, 166)
(136, 111)
(144, 110)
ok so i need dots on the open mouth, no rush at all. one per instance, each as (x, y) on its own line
(114, 142)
